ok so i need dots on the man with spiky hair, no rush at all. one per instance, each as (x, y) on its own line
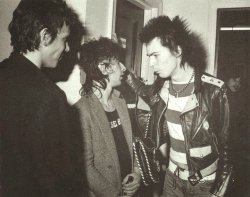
(40, 154)
(190, 113)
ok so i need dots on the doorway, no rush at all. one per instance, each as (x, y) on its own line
(233, 60)
(233, 41)
(128, 25)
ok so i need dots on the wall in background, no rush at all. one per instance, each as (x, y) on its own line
(6, 9)
(99, 15)
(202, 16)
(72, 86)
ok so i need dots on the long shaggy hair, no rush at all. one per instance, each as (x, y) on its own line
(177, 33)
(31, 16)
(92, 54)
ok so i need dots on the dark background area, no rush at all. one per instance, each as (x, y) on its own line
(234, 59)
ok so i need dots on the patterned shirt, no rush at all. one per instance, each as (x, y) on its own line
(172, 116)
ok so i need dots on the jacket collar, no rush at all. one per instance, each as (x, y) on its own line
(100, 118)
(191, 103)
(100, 115)
(197, 81)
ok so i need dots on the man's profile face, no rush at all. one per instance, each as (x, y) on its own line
(234, 84)
(115, 77)
(161, 58)
(52, 53)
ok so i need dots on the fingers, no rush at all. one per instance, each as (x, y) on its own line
(130, 188)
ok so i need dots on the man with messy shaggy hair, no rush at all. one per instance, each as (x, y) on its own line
(106, 127)
(190, 113)
(39, 149)
(91, 54)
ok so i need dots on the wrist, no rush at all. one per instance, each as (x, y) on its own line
(126, 73)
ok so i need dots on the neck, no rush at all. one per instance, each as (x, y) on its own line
(104, 96)
(34, 57)
(182, 74)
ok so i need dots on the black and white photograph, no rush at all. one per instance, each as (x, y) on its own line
(124, 98)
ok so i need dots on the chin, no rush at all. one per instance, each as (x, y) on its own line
(53, 65)
(163, 76)
(118, 84)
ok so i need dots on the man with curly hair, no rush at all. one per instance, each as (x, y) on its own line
(38, 156)
(190, 113)
(106, 127)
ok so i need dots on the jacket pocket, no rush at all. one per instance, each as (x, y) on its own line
(200, 152)
(203, 123)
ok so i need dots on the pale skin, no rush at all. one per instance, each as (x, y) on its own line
(50, 52)
(167, 63)
(115, 72)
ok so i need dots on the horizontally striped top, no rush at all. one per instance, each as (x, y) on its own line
(172, 115)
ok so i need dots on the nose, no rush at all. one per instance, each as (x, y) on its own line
(66, 47)
(151, 61)
(122, 67)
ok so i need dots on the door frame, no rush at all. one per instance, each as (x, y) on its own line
(150, 11)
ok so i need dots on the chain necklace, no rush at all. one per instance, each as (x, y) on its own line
(177, 92)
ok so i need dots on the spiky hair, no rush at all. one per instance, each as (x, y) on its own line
(173, 34)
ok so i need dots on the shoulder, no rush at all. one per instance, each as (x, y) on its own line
(118, 99)
(211, 80)
(82, 102)
(85, 104)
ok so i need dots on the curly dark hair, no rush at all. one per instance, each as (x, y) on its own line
(31, 16)
(176, 33)
(92, 54)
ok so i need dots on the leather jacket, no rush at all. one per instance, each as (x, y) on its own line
(205, 124)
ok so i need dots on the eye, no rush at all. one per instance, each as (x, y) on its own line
(106, 64)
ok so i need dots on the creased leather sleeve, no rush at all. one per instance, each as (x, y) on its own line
(147, 92)
(221, 113)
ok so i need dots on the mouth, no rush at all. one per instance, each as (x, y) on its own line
(157, 72)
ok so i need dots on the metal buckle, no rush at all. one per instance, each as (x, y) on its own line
(195, 178)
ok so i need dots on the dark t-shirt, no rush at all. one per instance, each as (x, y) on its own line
(121, 143)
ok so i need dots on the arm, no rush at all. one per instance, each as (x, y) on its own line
(221, 113)
(147, 92)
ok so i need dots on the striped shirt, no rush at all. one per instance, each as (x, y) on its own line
(172, 116)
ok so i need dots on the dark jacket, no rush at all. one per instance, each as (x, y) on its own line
(205, 122)
(36, 138)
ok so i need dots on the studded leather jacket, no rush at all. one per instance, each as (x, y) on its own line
(205, 124)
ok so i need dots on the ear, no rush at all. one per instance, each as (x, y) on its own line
(45, 37)
(178, 51)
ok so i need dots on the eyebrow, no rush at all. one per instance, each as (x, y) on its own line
(152, 53)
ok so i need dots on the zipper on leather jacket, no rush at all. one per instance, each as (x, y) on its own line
(185, 139)
(158, 127)
(185, 142)
(215, 142)
(197, 130)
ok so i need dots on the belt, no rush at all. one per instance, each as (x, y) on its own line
(207, 173)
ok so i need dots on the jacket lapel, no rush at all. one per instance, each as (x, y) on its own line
(192, 103)
(101, 119)
(125, 120)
